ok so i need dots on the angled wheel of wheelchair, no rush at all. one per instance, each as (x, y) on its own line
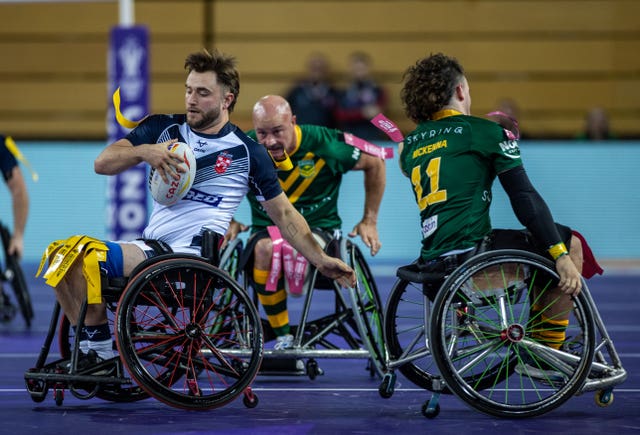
(406, 334)
(369, 306)
(188, 333)
(230, 258)
(13, 274)
(481, 336)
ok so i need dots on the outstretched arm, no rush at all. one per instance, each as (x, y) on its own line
(374, 185)
(296, 231)
(533, 212)
(20, 200)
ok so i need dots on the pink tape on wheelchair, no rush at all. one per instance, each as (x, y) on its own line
(276, 258)
(284, 256)
(295, 266)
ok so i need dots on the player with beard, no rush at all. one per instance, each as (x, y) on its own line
(229, 164)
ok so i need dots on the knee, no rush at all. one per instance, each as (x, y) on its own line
(262, 253)
(72, 283)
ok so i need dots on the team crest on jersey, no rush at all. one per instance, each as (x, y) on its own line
(223, 162)
(307, 168)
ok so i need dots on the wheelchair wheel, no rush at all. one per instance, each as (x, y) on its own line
(186, 322)
(12, 273)
(230, 258)
(112, 393)
(367, 301)
(406, 334)
(482, 342)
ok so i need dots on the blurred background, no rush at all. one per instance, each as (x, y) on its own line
(552, 64)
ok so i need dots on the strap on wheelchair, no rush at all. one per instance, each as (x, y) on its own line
(433, 273)
(159, 247)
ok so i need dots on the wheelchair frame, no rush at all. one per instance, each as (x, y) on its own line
(186, 333)
(11, 272)
(352, 331)
(475, 339)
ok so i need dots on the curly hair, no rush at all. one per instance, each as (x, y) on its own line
(223, 65)
(429, 86)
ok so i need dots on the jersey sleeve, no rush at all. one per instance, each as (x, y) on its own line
(493, 141)
(339, 156)
(263, 178)
(155, 129)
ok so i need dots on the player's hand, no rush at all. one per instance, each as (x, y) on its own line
(234, 229)
(570, 279)
(16, 246)
(167, 163)
(368, 232)
(337, 270)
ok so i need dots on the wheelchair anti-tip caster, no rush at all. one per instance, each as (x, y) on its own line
(387, 386)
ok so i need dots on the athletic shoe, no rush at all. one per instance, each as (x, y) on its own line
(85, 362)
(284, 342)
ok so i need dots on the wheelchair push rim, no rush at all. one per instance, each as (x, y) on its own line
(483, 336)
(188, 334)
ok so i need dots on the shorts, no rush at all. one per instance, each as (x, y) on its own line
(114, 265)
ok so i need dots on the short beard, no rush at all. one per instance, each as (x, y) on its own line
(208, 119)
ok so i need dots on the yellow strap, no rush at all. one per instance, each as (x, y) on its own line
(283, 165)
(47, 253)
(13, 149)
(66, 253)
(126, 123)
(62, 259)
(91, 272)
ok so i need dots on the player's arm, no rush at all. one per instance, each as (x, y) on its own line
(532, 212)
(20, 199)
(122, 155)
(374, 185)
(296, 231)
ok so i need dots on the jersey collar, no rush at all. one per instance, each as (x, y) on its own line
(298, 133)
(444, 114)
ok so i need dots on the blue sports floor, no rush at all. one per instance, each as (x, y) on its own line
(344, 400)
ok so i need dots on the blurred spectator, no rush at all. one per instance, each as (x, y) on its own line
(361, 100)
(596, 126)
(313, 99)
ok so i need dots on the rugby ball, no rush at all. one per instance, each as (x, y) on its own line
(173, 191)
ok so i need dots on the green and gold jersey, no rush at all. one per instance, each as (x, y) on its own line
(313, 185)
(452, 162)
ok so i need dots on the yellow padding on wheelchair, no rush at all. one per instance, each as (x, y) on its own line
(62, 254)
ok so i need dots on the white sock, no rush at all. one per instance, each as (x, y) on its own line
(84, 346)
(103, 348)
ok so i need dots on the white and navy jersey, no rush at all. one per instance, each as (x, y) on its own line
(228, 165)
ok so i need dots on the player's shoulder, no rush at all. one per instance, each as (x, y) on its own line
(488, 130)
(163, 119)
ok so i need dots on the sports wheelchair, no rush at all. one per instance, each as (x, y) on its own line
(11, 273)
(185, 332)
(352, 330)
(470, 334)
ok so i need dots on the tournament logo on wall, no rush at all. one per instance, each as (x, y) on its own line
(128, 70)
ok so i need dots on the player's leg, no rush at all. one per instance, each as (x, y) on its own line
(71, 293)
(274, 303)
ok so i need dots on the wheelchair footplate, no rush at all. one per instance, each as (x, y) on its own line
(83, 382)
